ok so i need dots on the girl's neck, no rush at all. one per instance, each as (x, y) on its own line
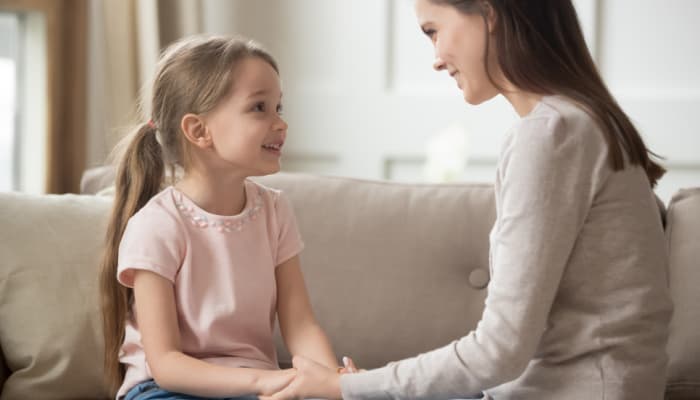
(220, 196)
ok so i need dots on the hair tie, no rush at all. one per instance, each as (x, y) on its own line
(152, 124)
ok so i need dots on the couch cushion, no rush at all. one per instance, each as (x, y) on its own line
(392, 269)
(372, 248)
(683, 234)
(50, 330)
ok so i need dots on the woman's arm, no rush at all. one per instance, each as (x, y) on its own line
(301, 332)
(550, 174)
(177, 372)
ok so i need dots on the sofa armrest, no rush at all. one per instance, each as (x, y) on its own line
(4, 370)
(96, 179)
(682, 232)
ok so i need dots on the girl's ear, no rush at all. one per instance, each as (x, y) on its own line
(196, 131)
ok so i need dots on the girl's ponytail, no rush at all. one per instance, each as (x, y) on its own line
(139, 177)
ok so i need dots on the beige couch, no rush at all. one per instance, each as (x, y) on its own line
(393, 270)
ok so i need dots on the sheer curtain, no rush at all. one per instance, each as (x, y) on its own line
(59, 56)
(125, 39)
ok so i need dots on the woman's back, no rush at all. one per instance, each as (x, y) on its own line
(606, 330)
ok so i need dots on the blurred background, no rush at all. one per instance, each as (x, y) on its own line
(360, 96)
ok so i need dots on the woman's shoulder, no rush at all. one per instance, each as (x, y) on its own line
(558, 121)
(556, 133)
(564, 115)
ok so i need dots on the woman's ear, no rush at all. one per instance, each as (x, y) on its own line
(196, 131)
(490, 15)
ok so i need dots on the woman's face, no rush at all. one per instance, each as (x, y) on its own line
(459, 40)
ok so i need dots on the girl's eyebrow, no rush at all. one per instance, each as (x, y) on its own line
(260, 92)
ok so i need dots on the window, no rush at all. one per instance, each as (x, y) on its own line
(23, 101)
(9, 30)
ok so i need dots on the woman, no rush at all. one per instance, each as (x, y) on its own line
(577, 306)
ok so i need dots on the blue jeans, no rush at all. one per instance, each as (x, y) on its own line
(149, 390)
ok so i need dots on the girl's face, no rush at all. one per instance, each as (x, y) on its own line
(247, 130)
(459, 41)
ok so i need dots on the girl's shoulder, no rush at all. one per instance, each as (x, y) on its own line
(273, 201)
(268, 195)
(159, 212)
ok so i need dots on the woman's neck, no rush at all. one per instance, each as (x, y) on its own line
(522, 102)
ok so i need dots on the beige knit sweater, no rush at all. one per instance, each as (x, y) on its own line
(578, 305)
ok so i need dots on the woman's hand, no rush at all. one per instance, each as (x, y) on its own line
(349, 366)
(271, 382)
(312, 380)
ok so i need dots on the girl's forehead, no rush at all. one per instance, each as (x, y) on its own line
(254, 75)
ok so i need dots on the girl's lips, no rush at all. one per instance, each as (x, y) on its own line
(273, 150)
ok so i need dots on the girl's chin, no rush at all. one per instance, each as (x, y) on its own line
(273, 169)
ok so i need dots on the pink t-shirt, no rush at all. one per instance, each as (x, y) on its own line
(223, 272)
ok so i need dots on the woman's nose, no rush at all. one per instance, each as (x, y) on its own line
(438, 64)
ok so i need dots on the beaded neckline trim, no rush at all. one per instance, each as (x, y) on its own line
(220, 223)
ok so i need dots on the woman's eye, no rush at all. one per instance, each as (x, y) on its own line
(429, 33)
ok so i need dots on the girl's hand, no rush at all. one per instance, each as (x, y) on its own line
(312, 380)
(271, 382)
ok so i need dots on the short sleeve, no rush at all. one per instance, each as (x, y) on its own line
(152, 241)
(289, 243)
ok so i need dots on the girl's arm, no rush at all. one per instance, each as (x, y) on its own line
(301, 332)
(177, 372)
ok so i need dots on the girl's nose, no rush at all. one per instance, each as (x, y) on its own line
(281, 124)
(438, 64)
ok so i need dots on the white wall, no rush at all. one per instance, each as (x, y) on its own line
(650, 57)
(362, 100)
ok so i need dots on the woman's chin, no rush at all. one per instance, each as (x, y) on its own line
(475, 99)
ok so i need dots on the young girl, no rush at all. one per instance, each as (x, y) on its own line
(577, 306)
(194, 274)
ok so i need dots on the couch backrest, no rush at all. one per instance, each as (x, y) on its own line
(683, 234)
(392, 269)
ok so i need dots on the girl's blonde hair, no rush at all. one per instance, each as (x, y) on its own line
(193, 76)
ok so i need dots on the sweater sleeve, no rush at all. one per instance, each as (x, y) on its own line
(548, 177)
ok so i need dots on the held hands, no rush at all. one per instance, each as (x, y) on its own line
(313, 380)
(274, 381)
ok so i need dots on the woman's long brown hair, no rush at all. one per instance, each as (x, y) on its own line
(194, 75)
(540, 48)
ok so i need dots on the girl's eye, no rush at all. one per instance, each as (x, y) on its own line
(259, 107)
(280, 109)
